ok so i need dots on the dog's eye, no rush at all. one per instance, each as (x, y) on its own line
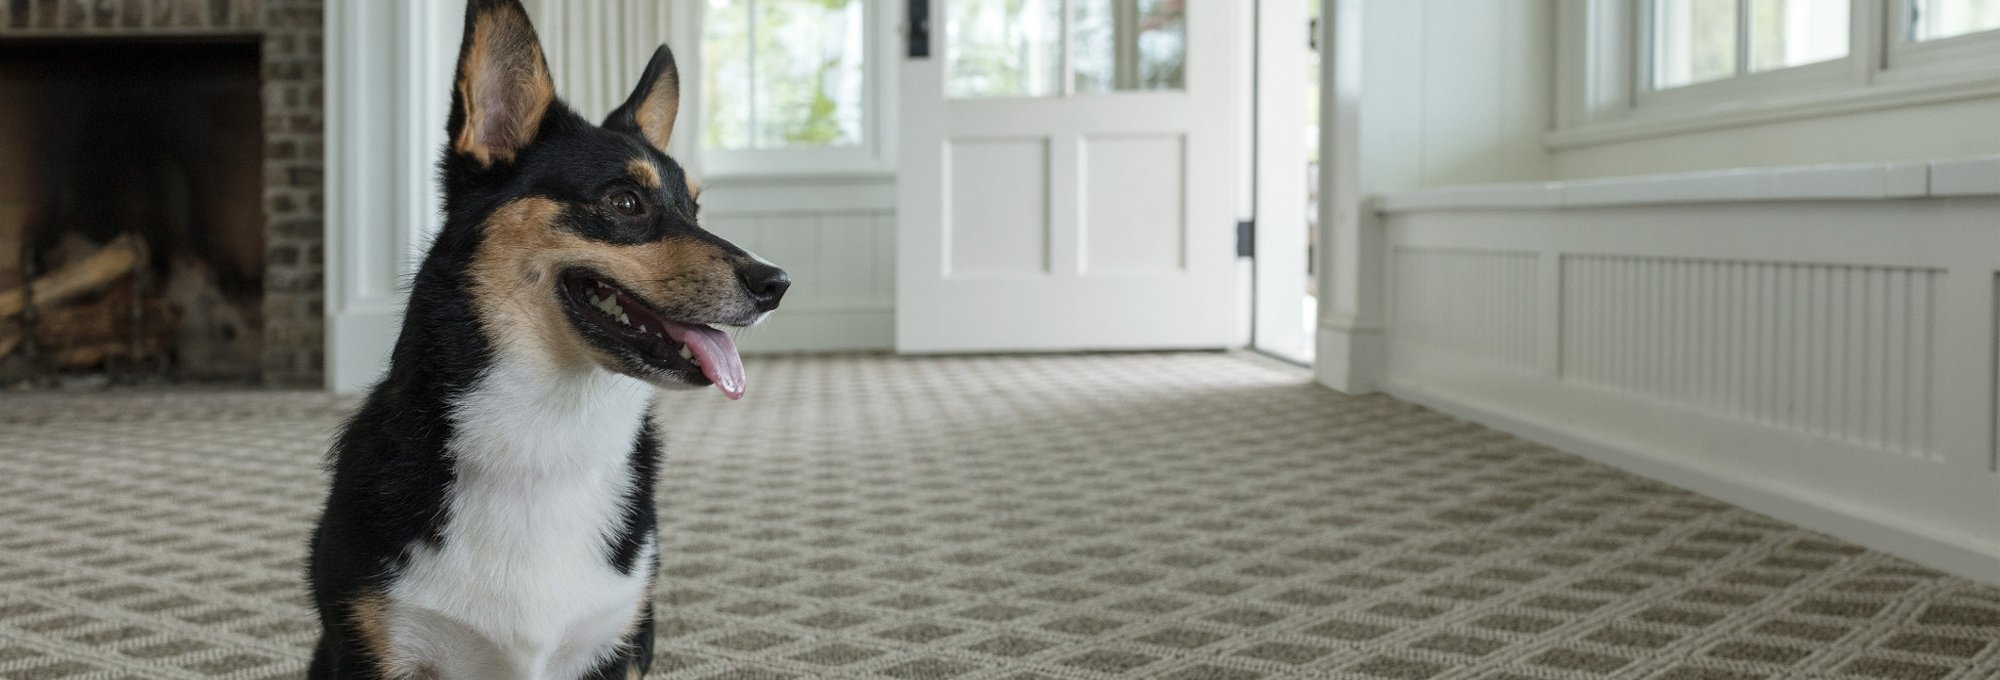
(627, 204)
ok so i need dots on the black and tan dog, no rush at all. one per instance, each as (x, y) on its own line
(491, 514)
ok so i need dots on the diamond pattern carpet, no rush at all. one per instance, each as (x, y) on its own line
(1182, 516)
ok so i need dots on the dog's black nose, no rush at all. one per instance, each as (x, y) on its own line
(766, 284)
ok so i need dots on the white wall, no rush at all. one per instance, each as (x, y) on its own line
(1417, 93)
(1924, 132)
(1455, 92)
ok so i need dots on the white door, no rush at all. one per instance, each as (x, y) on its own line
(1066, 178)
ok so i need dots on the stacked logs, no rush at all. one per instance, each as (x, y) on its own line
(88, 312)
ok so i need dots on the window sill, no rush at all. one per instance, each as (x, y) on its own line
(1642, 124)
(1963, 177)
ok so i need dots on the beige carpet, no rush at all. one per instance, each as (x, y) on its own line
(1154, 516)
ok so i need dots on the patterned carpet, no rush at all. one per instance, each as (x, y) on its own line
(1184, 516)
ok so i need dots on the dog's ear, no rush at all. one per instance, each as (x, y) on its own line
(654, 104)
(503, 87)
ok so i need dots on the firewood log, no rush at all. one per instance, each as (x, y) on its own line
(109, 263)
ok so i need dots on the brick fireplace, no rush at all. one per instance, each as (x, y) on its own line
(279, 44)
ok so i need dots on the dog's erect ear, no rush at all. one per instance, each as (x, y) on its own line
(503, 87)
(651, 109)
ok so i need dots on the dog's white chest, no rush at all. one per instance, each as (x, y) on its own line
(522, 587)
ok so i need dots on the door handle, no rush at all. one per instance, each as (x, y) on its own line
(919, 34)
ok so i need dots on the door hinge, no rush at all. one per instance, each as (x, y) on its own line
(1246, 238)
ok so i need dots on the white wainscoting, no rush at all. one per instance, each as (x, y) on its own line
(836, 237)
(1814, 343)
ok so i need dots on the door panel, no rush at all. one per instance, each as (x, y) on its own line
(1066, 178)
(999, 207)
(1133, 190)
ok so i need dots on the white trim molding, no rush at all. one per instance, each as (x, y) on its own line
(1351, 350)
(389, 68)
(1977, 176)
(1817, 343)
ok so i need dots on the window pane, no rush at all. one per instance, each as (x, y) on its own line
(1794, 32)
(725, 75)
(1003, 48)
(808, 62)
(1129, 44)
(782, 73)
(1694, 41)
(1936, 19)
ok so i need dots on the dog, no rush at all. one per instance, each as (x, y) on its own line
(491, 507)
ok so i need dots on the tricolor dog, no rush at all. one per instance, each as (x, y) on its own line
(491, 513)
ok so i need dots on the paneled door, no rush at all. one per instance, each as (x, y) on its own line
(1067, 180)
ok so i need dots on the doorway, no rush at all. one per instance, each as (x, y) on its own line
(1285, 303)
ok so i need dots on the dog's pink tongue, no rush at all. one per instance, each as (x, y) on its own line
(717, 353)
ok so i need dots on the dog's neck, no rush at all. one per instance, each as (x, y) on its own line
(529, 416)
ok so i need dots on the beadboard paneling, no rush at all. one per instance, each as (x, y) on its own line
(836, 237)
(1476, 303)
(1837, 351)
(1829, 361)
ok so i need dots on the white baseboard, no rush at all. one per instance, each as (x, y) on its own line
(357, 347)
(1897, 535)
(1351, 359)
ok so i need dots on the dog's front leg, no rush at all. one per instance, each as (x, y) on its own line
(638, 656)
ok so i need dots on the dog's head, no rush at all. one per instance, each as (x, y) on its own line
(588, 249)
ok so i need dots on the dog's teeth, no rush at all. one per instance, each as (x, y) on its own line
(622, 318)
(642, 328)
(687, 354)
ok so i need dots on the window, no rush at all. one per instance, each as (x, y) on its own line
(1696, 41)
(1653, 67)
(1940, 19)
(1015, 48)
(786, 86)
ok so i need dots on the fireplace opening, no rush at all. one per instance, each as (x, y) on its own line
(132, 221)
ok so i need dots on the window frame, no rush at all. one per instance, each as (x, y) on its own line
(1604, 74)
(874, 156)
(1942, 57)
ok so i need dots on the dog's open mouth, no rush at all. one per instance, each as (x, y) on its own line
(611, 316)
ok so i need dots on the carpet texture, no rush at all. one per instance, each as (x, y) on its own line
(1185, 516)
